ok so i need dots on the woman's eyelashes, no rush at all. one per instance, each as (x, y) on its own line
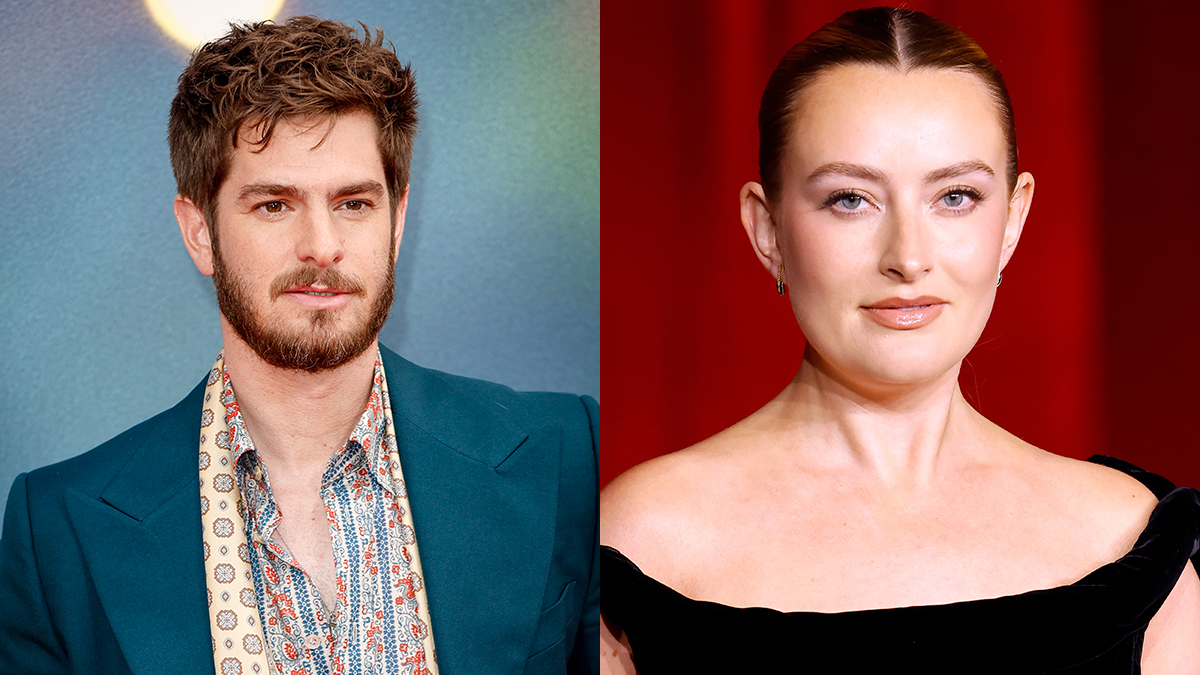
(958, 200)
(848, 203)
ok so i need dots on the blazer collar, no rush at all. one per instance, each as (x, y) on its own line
(164, 463)
(444, 408)
(141, 541)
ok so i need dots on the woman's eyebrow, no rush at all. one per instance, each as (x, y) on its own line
(847, 169)
(960, 169)
(872, 174)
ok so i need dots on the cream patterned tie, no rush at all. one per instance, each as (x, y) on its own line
(238, 644)
(407, 519)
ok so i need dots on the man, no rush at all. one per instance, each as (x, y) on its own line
(352, 512)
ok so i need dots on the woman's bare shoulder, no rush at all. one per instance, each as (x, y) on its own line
(655, 512)
(1100, 487)
(1098, 504)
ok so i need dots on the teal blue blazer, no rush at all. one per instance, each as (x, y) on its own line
(101, 566)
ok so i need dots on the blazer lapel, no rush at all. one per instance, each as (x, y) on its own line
(484, 499)
(141, 541)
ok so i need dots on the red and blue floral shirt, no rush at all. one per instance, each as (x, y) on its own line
(374, 626)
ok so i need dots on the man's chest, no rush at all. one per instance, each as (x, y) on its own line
(336, 573)
(304, 531)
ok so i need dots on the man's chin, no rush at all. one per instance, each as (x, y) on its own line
(302, 339)
(310, 355)
(313, 350)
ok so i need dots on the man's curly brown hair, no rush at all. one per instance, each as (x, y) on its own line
(262, 73)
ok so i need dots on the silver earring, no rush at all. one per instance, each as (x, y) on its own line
(779, 279)
(999, 278)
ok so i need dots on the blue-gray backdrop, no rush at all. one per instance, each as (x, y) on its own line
(104, 319)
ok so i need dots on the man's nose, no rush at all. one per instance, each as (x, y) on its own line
(319, 241)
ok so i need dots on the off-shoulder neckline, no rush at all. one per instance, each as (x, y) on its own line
(1170, 498)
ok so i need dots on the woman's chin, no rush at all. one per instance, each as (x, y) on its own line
(890, 372)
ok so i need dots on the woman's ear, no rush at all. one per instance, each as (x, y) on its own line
(760, 227)
(195, 234)
(1018, 211)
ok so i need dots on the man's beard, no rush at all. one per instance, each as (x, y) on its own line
(313, 349)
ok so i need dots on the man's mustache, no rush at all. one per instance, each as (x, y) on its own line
(330, 277)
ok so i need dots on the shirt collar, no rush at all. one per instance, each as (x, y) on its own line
(370, 434)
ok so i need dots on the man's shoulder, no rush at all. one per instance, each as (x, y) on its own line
(424, 392)
(91, 472)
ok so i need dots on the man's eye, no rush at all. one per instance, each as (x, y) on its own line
(273, 207)
(354, 205)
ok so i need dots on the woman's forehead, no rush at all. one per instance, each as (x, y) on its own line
(897, 121)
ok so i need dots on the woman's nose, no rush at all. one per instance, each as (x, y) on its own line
(905, 255)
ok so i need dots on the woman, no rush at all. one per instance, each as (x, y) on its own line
(868, 517)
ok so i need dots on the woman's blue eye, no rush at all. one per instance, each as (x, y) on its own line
(850, 202)
(954, 199)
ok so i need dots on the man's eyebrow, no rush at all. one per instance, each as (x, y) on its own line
(849, 170)
(368, 188)
(960, 169)
(262, 190)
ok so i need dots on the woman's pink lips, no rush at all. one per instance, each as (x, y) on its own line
(905, 313)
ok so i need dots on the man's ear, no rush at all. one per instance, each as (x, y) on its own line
(401, 209)
(195, 234)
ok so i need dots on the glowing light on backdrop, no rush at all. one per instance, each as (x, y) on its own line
(192, 23)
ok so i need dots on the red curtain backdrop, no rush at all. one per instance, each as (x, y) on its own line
(1087, 350)
(1149, 145)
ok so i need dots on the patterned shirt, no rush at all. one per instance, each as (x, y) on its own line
(375, 627)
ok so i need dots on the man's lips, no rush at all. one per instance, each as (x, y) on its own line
(318, 291)
(905, 313)
(319, 297)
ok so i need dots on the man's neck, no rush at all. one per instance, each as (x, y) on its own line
(297, 419)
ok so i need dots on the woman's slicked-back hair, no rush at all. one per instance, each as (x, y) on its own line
(261, 73)
(880, 36)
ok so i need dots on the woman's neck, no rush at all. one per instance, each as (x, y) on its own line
(901, 436)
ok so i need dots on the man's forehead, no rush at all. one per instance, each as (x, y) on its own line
(257, 132)
(312, 156)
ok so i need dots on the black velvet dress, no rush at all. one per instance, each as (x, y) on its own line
(1095, 625)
